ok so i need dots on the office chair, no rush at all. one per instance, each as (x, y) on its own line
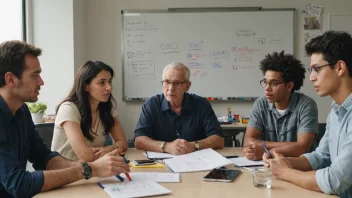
(46, 131)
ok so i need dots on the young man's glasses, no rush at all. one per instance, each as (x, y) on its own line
(272, 85)
(166, 83)
(316, 69)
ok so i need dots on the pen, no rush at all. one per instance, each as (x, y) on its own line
(120, 178)
(101, 186)
(127, 162)
(231, 156)
(266, 150)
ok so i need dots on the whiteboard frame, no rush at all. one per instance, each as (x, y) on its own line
(195, 10)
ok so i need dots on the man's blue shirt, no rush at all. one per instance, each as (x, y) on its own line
(19, 142)
(196, 121)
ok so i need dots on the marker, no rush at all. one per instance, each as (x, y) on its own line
(127, 162)
(266, 150)
(100, 185)
(120, 178)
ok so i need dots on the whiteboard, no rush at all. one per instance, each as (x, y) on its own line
(222, 50)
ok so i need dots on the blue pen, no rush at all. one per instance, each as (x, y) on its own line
(120, 178)
(267, 151)
(100, 185)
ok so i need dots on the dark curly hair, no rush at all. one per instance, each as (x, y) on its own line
(291, 69)
(334, 46)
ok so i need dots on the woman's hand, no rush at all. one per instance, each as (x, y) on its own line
(101, 151)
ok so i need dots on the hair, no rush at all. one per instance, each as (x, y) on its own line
(12, 58)
(334, 46)
(291, 69)
(177, 65)
(80, 97)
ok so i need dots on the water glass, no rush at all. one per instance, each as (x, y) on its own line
(262, 178)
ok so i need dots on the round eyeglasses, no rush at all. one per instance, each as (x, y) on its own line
(272, 85)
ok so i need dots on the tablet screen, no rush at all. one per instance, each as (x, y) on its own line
(222, 175)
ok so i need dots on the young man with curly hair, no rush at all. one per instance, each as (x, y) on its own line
(328, 168)
(285, 120)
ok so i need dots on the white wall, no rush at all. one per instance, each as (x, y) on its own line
(79, 28)
(71, 33)
(58, 27)
(103, 22)
(53, 32)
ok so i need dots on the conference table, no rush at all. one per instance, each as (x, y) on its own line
(192, 184)
(232, 130)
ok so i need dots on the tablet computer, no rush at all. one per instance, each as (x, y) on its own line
(222, 175)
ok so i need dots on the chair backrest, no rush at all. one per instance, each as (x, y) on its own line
(322, 128)
(46, 131)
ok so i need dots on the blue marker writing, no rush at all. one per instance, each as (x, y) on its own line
(267, 151)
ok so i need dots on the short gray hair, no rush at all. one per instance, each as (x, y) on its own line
(177, 65)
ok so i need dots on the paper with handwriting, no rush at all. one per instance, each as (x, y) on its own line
(202, 160)
(134, 188)
(155, 176)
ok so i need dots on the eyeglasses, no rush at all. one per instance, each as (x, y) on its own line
(166, 83)
(272, 85)
(316, 69)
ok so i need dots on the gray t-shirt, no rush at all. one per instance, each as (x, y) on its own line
(301, 116)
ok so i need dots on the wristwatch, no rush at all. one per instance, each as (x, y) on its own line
(162, 146)
(86, 171)
(196, 145)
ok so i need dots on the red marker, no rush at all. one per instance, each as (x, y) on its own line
(127, 162)
(128, 176)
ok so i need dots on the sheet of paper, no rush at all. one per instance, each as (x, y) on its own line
(242, 161)
(154, 176)
(134, 188)
(153, 155)
(202, 160)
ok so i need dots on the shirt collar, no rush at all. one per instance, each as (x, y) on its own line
(5, 111)
(291, 105)
(347, 104)
(186, 103)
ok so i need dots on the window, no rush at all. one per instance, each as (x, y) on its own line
(12, 23)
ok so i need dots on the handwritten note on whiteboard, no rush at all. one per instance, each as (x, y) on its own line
(202, 160)
(135, 188)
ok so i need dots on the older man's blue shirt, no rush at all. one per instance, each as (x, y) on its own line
(196, 121)
(19, 142)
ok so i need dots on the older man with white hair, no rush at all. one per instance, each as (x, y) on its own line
(177, 122)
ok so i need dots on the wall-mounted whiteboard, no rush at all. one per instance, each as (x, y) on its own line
(222, 49)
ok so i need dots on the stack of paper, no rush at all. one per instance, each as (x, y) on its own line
(138, 187)
(202, 160)
(155, 176)
(156, 155)
(244, 162)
